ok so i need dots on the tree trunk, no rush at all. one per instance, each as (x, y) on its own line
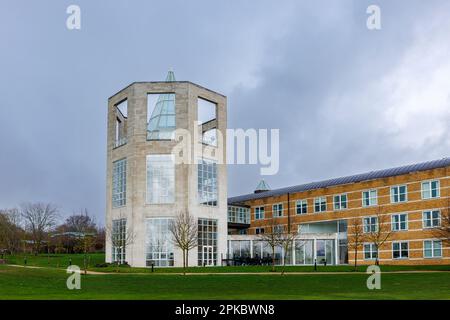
(273, 259)
(356, 258)
(187, 258)
(184, 261)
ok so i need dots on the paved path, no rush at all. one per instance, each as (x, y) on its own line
(230, 273)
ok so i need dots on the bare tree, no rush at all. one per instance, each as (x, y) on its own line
(184, 231)
(443, 231)
(39, 218)
(10, 230)
(357, 237)
(380, 232)
(83, 224)
(271, 237)
(121, 236)
(286, 241)
(80, 222)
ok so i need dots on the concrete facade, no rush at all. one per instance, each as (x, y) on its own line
(137, 210)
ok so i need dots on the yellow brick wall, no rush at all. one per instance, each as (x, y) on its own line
(414, 207)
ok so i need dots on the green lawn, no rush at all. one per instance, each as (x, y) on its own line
(55, 260)
(27, 283)
(62, 261)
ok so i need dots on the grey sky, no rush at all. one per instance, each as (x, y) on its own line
(346, 99)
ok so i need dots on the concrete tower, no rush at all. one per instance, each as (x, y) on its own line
(165, 155)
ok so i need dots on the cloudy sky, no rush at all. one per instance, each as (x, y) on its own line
(346, 99)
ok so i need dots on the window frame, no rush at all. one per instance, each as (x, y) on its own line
(431, 219)
(320, 204)
(400, 250)
(258, 230)
(370, 224)
(303, 205)
(173, 187)
(369, 198)
(119, 184)
(277, 210)
(433, 256)
(340, 203)
(399, 222)
(260, 215)
(430, 182)
(372, 251)
(399, 194)
(201, 192)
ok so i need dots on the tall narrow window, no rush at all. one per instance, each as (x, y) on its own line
(207, 242)
(369, 198)
(430, 189)
(119, 183)
(207, 182)
(340, 202)
(161, 122)
(399, 194)
(159, 247)
(118, 240)
(160, 178)
(121, 123)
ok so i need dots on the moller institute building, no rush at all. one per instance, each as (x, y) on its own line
(148, 186)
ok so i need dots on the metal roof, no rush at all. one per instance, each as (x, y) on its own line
(378, 174)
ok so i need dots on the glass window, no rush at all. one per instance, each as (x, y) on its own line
(369, 198)
(400, 250)
(304, 251)
(302, 206)
(431, 219)
(160, 178)
(430, 189)
(161, 116)
(119, 183)
(207, 242)
(118, 240)
(259, 231)
(159, 247)
(432, 248)
(370, 224)
(259, 213)
(207, 182)
(340, 202)
(370, 251)
(320, 204)
(399, 222)
(277, 210)
(399, 194)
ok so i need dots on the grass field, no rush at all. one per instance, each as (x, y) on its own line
(28, 283)
(49, 282)
(62, 261)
